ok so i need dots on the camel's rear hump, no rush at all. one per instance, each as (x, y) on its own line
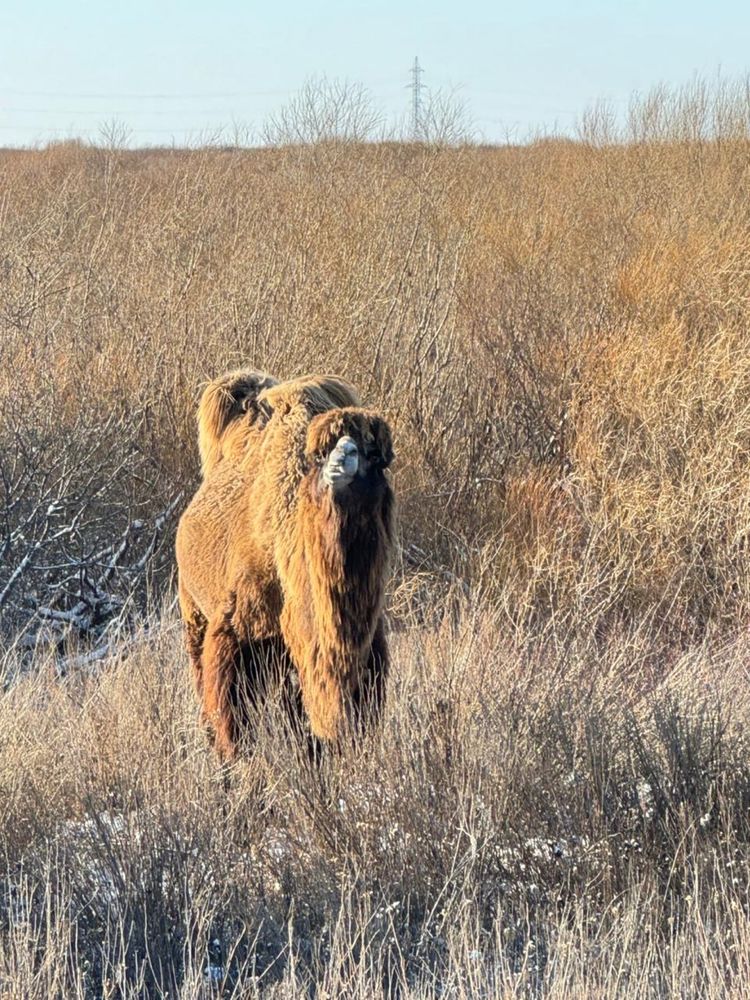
(223, 402)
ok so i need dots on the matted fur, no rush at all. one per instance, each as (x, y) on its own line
(268, 553)
(236, 407)
(230, 400)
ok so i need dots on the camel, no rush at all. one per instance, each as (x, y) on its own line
(284, 550)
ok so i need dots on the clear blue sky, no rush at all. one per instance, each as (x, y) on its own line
(171, 71)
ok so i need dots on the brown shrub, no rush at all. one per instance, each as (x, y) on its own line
(577, 312)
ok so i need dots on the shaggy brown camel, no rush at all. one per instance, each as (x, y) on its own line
(283, 552)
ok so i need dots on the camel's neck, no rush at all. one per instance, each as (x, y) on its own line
(333, 578)
(347, 545)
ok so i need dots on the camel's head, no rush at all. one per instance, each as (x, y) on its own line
(349, 445)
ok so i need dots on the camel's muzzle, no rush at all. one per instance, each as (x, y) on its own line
(342, 464)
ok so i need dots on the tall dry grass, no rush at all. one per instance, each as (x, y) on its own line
(527, 823)
(557, 804)
(558, 333)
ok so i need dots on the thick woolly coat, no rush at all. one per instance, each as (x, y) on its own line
(267, 553)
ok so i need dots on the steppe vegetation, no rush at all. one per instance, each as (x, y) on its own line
(558, 801)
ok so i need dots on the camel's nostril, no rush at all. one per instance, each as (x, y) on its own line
(345, 447)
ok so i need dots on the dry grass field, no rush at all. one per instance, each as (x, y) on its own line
(558, 802)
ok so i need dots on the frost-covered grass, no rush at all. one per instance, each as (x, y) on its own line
(534, 818)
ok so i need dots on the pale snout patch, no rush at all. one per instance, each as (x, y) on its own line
(342, 464)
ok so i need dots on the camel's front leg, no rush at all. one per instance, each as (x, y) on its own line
(243, 658)
(195, 634)
(221, 662)
(369, 700)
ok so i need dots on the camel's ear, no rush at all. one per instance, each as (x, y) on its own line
(382, 441)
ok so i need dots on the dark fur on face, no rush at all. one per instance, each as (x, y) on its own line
(367, 429)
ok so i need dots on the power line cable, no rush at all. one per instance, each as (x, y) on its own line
(144, 97)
